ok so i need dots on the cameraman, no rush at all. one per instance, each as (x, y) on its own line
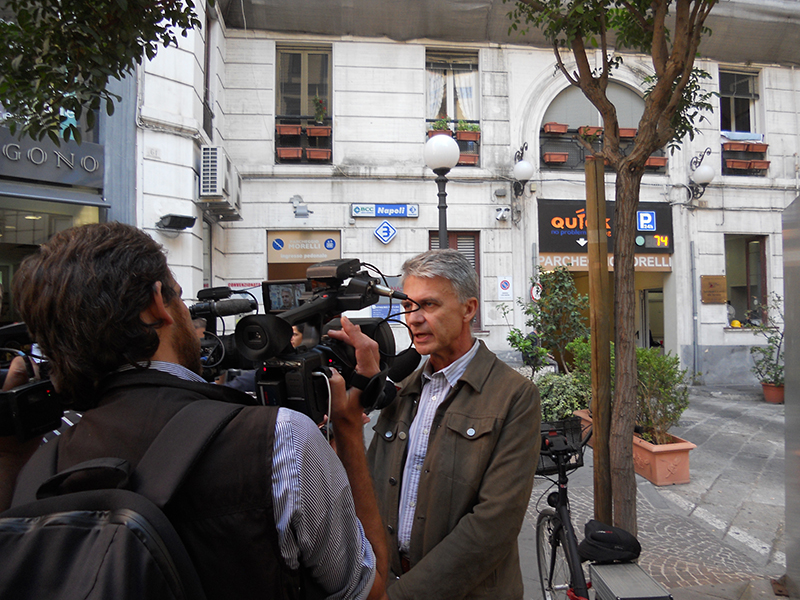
(269, 506)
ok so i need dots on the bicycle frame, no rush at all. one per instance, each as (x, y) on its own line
(560, 450)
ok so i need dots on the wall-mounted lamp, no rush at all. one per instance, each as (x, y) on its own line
(441, 154)
(176, 222)
(523, 170)
(701, 175)
(300, 208)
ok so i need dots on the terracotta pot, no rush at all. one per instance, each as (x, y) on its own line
(756, 147)
(587, 130)
(656, 161)
(318, 131)
(734, 147)
(468, 136)
(318, 153)
(732, 163)
(468, 159)
(627, 132)
(759, 165)
(553, 127)
(433, 132)
(586, 421)
(555, 157)
(289, 153)
(662, 464)
(773, 394)
(288, 129)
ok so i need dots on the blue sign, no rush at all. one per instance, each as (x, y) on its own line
(381, 311)
(330, 244)
(385, 232)
(277, 244)
(646, 220)
(408, 211)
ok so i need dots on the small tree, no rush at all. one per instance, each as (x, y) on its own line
(673, 102)
(56, 57)
(556, 318)
(768, 360)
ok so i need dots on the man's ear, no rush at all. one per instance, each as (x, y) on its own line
(157, 311)
(471, 307)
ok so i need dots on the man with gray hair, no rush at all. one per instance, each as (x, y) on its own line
(453, 457)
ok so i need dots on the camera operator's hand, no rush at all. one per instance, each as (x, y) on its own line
(19, 372)
(368, 360)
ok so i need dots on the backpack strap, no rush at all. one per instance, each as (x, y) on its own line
(176, 449)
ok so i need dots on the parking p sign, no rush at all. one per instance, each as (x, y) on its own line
(646, 220)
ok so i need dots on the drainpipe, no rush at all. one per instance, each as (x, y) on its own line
(695, 317)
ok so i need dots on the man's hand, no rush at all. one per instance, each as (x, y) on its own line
(368, 360)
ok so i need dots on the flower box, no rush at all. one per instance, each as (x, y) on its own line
(553, 127)
(627, 132)
(289, 153)
(656, 161)
(318, 153)
(554, 158)
(468, 136)
(759, 165)
(318, 131)
(755, 147)
(433, 132)
(288, 129)
(662, 464)
(734, 147)
(735, 163)
(586, 130)
(468, 159)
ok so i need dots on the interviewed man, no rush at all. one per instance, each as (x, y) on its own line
(453, 458)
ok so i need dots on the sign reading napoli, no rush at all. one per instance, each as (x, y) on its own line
(403, 211)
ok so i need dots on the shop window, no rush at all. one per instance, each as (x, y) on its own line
(303, 124)
(745, 274)
(465, 242)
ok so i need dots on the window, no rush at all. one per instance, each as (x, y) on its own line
(303, 73)
(302, 126)
(745, 274)
(737, 92)
(465, 242)
(452, 86)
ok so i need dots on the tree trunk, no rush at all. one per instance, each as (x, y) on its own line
(623, 477)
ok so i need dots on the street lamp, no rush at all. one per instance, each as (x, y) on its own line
(441, 154)
(701, 175)
(523, 171)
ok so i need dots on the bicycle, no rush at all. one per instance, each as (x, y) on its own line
(557, 550)
(560, 571)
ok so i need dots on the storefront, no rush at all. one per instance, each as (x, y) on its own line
(44, 189)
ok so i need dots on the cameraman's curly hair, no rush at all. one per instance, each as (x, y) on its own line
(81, 295)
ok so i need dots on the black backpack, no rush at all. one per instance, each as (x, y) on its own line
(112, 542)
(607, 544)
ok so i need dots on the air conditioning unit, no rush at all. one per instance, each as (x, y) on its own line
(220, 184)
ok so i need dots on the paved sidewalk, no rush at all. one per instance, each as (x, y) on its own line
(719, 536)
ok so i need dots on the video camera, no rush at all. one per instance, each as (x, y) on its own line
(295, 377)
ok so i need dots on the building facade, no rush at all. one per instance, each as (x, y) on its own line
(291, 148)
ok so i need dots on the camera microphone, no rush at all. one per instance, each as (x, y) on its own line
(382, 290)
(223, 308)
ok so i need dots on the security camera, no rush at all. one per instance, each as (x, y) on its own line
(502, 213)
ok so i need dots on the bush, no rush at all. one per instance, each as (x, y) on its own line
(662, 391)
(561, 396)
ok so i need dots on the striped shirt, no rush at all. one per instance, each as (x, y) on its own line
(313, 504)
(435, 387)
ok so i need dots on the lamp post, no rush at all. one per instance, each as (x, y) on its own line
(441, 154)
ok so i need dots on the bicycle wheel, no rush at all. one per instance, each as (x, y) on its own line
(554, 571)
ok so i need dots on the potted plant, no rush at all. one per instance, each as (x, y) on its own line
(439, 127)
(320, 110)
(658, 456)
(768, 362)
(468, 132)
(553, 127)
